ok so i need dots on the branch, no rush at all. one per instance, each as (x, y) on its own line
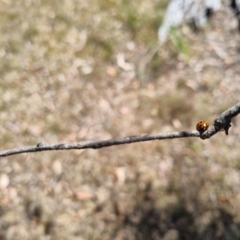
(222, 122)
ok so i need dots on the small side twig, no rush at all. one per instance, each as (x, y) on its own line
(222, 122)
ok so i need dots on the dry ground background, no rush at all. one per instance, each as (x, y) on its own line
(73, 70)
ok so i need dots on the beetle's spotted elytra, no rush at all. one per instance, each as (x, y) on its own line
(202, 126)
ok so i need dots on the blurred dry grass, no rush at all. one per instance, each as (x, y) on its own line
(77, 70)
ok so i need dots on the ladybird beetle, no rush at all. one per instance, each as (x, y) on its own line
(202, 126)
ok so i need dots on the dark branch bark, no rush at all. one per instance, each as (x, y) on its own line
(222, 122)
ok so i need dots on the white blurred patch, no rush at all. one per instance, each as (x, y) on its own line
(188, 10)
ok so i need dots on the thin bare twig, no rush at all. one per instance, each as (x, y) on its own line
(222, 122)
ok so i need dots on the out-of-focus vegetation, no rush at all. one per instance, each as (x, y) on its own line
(75, 70)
